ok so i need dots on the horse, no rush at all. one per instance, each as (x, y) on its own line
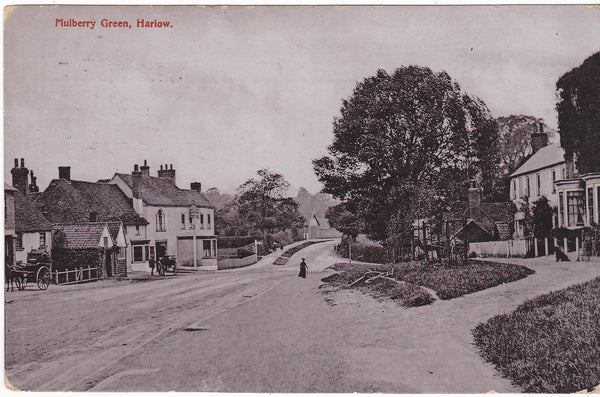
(12, 277)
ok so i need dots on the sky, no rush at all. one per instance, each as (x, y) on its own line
(226, 91)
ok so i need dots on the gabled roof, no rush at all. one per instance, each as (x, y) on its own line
(162, 191)
(27, 217)
(545, 157)
(73, 201)
(113, 229)
(82, 235)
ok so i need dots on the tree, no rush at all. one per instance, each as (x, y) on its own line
(343, 220)
(579, 114)
(414, 130)
(542, 218)
(262, 207)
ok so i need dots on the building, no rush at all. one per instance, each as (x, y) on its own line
(95, 244)
(9, 224)
(181, 221)
(32, 231)
(318, 227)
(71, 201)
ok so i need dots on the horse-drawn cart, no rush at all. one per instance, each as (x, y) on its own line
(167, 263)
(37, 270)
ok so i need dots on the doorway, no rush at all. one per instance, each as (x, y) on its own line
(108, 263)
(161, 249)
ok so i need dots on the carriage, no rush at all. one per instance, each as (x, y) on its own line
(36, 270)
(167, 263)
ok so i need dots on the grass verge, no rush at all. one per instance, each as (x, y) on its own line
(549, 344)
(283, 258)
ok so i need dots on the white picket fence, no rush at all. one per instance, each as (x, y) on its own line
(75, 276)
(508, 248)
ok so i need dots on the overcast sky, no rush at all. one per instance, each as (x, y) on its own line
(227, 91)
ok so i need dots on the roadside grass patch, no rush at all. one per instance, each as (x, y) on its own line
(448, 281)
(283, 258)
(549, 344)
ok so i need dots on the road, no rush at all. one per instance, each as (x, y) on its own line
(256, 329)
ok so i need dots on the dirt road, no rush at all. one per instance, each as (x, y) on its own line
(256, 329)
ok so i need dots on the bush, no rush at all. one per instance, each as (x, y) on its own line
(244, 252)
(362, 252)
(235, 241)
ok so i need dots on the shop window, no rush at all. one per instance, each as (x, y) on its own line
(206, 248)
(138, 255)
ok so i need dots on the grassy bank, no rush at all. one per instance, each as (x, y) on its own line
(403, 281)
(549, 344)
(287, 254)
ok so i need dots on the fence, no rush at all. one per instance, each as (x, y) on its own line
(233, 263)
(530, 247)
(508, 248)
(79, 275)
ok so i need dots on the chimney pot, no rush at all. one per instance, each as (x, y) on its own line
(64, 172)
(136, 167)
(171, 166)
(161, 167)
(196, 186)
(145, 162)
(16, 163)
(22, 162)
(541, 127)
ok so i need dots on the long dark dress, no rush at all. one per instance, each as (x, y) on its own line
(303, 268)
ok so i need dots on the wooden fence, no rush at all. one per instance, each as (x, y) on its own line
(236, 262)
(79, 275)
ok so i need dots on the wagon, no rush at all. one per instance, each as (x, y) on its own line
(167, 263)
(37, 270)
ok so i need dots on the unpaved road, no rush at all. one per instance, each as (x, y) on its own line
(256, 329)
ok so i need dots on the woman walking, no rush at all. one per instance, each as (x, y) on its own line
(303, 269)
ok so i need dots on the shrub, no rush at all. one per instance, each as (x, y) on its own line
(244, 252)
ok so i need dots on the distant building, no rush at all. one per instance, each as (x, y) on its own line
(181, 221)
(318, 227)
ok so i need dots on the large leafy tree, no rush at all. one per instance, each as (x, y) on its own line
(262, 207)
(579, 114)
(411, 131)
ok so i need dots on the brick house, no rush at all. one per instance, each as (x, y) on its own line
(181, 221)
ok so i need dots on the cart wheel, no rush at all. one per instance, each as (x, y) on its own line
(43, 278)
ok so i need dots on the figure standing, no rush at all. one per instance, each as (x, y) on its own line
(152, 264)
(303, 269)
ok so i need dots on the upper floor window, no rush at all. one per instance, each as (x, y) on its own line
(553, 180)
(528, 187)
(160, 221)
(538, 182)
(514, 193)
(19, 240)
(564, 176)
(42, 239)
(201, 221)
(182, 221)
(137, 230)
(208, 220)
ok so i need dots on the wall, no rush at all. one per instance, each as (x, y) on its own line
(31, 241)
(236, 262)
(545, 185)
(507, 248)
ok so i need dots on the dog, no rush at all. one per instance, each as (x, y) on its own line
(561, 256)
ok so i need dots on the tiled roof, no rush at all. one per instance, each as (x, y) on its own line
(81, 235)
(27, 217)
(545, 157)
(162, 191)
(113, 229)
(73, 201)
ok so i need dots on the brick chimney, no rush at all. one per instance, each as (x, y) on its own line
(197, 186)
(33, 187)
(20, 176)
(474, 200)
(145, 169)
(539, 139)
(167, 172)
(64, 173)
(136, 177)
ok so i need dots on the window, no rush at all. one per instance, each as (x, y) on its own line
(201, 221)
(19, 241)
(598, 201)
(213, 244)
(574, 208)
(105, 242)
(538, 183)
(561, 209)
(590, 202)
(160, 221)
(146, 251)
(42, 239)
(182, 221)
(564, 176)
(138, 253)
(208, 220)
(206, 248)
(528, 187)
(553, 180)
(137, 230)
(514, 185)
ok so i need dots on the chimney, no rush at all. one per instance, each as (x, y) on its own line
(136, 177)
(197, 186)
(20, 176)
(145, 169)
(474, 201)
(93, 216)
(539, 139)
(64, 173)
(167, 173)
(33, 187)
